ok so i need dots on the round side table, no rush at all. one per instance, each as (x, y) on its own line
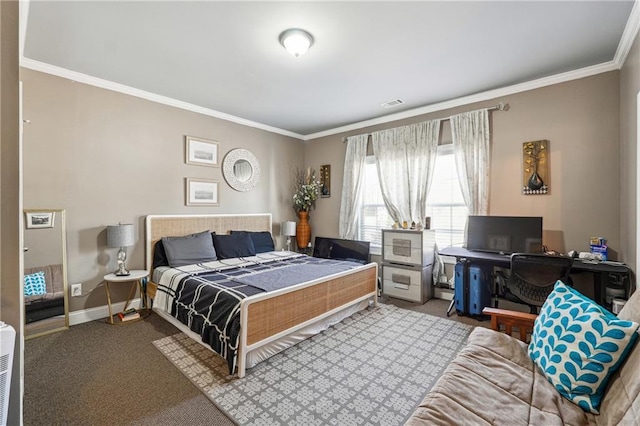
(135, 277)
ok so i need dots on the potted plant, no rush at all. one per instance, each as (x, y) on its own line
(306, 190)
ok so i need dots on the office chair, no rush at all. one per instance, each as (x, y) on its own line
(532, 278)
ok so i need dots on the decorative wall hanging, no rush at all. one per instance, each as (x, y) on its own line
(325, 181)
(201, 192)
(535, 167)
(39, 219)
(201, 152)
(241, 169)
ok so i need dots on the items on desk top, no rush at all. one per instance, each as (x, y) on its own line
(599, 248)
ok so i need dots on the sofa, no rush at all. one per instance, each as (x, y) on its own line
(51, 303)
(493, 381)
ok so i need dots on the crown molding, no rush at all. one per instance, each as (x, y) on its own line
(127, 90)
(478, 97)
(628, 36)
(465, 100)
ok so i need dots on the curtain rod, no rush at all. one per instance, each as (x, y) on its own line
(502, 106)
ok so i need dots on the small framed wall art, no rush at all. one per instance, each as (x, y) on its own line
(535, 167)
(325, 181)
(201, 152)
(202, 192)
(34, 220)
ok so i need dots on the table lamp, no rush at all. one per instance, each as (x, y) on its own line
(288, 230)
(121, 236)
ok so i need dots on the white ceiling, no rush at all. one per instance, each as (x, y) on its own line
(224, 59)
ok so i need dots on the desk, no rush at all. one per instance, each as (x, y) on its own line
(602, 271)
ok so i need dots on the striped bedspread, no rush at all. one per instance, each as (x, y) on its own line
(206, 297)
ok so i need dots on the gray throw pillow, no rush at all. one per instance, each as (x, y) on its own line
(190, 249)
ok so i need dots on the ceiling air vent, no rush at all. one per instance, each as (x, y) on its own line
(393, 103)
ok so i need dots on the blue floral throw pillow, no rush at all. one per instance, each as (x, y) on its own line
(578, 344)
(34, 284)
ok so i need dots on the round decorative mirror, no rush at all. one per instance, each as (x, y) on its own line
(241, 169)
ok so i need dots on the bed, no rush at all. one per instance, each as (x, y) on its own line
(268, 321)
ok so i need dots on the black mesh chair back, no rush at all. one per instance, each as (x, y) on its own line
(533, 276)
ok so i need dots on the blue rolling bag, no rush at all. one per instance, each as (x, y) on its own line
(473, 294)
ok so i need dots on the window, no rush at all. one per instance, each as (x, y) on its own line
(373, 216)
(445, 204)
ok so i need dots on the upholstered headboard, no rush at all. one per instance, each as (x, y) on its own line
(158, 226)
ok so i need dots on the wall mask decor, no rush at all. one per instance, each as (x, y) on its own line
(535, 167)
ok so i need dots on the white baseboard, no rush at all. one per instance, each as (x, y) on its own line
(99, 312)
(443, 293)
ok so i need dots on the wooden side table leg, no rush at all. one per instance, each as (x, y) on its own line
(106, 286)
(132, 290)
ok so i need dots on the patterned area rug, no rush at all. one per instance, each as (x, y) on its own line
(374, 367)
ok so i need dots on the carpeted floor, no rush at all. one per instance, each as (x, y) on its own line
(98, 374)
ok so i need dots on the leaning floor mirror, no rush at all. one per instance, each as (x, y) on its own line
(45, 272)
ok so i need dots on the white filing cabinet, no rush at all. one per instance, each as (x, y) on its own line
(407, 264)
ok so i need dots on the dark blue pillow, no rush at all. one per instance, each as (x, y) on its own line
(233, 245)
(262, 240)
(159, 255)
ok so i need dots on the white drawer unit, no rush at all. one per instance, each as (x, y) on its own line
(407, 261)
(402, 283)
(408, 247)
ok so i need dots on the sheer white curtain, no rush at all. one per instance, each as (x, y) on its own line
(405, 158)
(352, 185)
(470, 132)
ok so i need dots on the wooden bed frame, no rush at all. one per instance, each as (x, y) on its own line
(268, 316)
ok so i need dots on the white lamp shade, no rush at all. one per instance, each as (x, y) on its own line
(296, 41)
(288, 229)
(120, 235)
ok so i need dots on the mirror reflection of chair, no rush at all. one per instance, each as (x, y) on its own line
(532, 277)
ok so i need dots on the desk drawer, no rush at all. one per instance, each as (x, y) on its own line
(402, 283)
(403, 247)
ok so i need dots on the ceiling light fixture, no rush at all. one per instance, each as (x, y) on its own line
(296, 41)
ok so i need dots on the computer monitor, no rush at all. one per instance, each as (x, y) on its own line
(505, 234)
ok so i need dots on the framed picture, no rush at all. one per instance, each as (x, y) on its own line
(201, 152)
(325, 181)
(202, 192)
(535, 167)
(36, 220)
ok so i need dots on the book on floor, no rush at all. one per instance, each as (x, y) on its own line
(128, 315)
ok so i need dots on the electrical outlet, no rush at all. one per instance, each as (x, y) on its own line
(76, 290)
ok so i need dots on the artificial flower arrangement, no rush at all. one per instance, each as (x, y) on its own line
(307, 188)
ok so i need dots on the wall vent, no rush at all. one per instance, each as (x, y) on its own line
(393, 103)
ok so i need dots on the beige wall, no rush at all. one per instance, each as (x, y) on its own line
(10, 233)
(629, 90)
(579, 118)
(45, 244)
(107, 157)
